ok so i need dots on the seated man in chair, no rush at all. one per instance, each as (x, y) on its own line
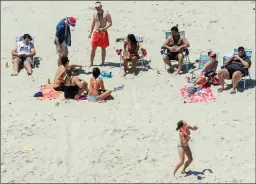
(234, 68)
(175, 45)
(23, 53)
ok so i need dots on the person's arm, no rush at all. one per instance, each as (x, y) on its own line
(74, 65)
(14, 51)
(192, 128)
(60, 76)
(245, 63)
(102, 85)
(93, 23)
(33, 51)
(109, 22)
(205, 67)
(167, 41)
(185, 43)
(228, 61)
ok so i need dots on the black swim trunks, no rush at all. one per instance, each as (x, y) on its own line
(59, 88)
(70, 91)
(172, 55)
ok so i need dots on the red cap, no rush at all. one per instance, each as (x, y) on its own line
(72, 21)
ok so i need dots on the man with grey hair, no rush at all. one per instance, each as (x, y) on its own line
(101, 21)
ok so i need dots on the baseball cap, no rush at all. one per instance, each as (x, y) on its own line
(97, 4)
(72, 21)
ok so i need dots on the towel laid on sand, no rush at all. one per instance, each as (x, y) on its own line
(206, 96)
(48, 92)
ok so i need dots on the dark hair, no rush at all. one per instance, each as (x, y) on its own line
(96, 72)
(175, 28)
(64, 60)
(132, 39)
(240, 48)
(27, 36)
(179, 125)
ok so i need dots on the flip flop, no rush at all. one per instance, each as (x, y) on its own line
(28, 148)
(14, 74)
(182, 172)
(220, 90)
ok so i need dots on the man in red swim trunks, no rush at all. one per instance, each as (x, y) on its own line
(101, 21)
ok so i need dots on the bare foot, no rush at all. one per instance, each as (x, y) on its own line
(29, 73)
(77, 97)
(14, 74)
(176, 72)
(102, 64)
(90, 65)
(183, 172)
(124, 74)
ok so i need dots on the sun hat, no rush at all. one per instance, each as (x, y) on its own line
(71, 21)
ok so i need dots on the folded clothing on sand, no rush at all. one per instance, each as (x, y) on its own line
(47, 92)
(202, 95)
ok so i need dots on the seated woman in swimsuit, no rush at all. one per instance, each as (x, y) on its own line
(61, 73)
(97, 84)
(183, 147)
(208, 71)
(131, 54)
(74, 86)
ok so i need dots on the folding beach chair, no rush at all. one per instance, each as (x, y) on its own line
(140, 52)
(248, 53)
(186, 59)
(20, 38)
(203, 59)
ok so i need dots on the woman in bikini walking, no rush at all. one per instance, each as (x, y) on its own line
(183, 147)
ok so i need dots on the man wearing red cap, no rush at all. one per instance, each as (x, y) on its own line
(101, 21)
(63, 36)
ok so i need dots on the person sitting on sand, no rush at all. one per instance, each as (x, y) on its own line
(131, 48)
(183, 147)
(97, 84)
(234, 69)
(23, 53)
(208, 71)
(74, 86)
(61, 73)
(175, 45)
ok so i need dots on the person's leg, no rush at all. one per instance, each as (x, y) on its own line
(134, 60)
(92, 55)
(104, 95)
(180, 63)
(125, 65)
(202, 81)
(64, 52)
(188, 153)
(103, 56)
(181, 162)
(16, 62)
(222, 75)
(167, 61)
(237, 75)
(27, 64)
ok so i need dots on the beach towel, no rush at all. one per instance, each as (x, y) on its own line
(100, 39)
(48, 92)
(204, 95)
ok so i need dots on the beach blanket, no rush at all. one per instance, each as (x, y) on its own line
(205, 95)
(48, 92)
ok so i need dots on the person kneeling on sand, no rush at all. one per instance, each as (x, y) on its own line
(74, 86)
(183, 147)
(175, 45)
(97, 84)
(23, 53)
(208, 71)
(60, 76)
(234, 68)
(131, 48)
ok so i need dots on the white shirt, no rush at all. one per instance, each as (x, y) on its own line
(23, 48)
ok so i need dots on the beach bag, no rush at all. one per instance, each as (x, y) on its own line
(105, 75)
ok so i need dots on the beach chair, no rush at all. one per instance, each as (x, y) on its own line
(246, 73)
(203, 59)
(186, 59)
(141, 51)
(20, 38)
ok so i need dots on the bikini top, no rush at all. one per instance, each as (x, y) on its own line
(185, 133)
(94, 83)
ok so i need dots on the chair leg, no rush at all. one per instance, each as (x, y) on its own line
(244, 82)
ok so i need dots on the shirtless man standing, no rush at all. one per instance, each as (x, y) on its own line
(175, 45)
(101, 21)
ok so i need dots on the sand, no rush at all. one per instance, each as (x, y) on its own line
(131, 138)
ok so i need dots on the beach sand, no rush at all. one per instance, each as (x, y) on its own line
(131, 138)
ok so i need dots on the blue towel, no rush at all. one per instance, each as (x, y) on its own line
(105, 75)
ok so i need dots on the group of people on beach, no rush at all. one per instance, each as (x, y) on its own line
(73, 87)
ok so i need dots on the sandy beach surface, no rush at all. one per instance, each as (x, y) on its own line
(131, 138)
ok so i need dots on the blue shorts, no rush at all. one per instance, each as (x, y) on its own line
(93, 98)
